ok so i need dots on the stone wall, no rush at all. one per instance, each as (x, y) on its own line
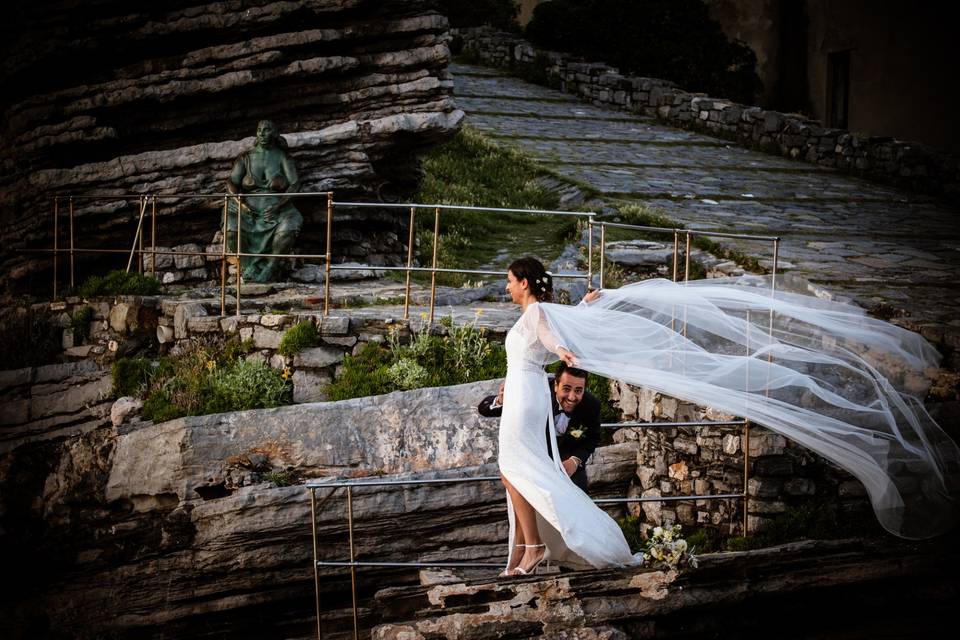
(710, 460)
(906, 164)
(115, 98)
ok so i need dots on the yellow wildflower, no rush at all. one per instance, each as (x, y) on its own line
(286, 373)
(211, 365)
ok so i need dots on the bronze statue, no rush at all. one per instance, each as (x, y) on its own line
(269, 223)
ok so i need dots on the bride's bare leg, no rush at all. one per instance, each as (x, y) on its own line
(526, 519)
(516, 553)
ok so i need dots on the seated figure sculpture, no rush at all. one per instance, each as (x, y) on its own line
(269, 223)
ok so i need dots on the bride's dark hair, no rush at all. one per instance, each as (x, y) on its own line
(531, 269)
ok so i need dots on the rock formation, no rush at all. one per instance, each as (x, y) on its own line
(122, 529)
(114, 98)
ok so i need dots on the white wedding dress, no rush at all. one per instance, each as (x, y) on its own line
(823, 374)
(577, 532)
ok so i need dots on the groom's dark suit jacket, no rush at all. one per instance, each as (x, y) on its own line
(585, 416)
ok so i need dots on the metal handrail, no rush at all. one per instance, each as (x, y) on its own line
(351, 484)
(236, 254)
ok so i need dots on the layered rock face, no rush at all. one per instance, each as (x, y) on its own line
(116, 98)
(171, 529)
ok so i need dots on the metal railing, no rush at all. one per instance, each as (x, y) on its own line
(352, 563)
(150, 201)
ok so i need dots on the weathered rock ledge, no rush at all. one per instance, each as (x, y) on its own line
(790, 591)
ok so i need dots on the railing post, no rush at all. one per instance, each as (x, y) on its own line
(316, 569)
(686, 268)
(590, 252)
(153, 237)
(72, 284)
(676, 253)
(353, 568)
(433, 272)
(603, 251)
(326, 284)
(137, 237)
(746, 477)
(223, 259)
(56, 246)
(406, 295)
(239, 265)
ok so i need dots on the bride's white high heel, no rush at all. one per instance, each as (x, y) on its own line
(520, 571)
(506, 573)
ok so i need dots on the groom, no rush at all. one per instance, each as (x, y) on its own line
(576, 419)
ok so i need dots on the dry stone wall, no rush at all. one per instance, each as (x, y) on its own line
(907, 164)
(678, 461)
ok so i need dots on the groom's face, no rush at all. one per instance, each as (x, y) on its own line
(569, 390)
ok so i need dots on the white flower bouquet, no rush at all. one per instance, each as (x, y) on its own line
(666, 548)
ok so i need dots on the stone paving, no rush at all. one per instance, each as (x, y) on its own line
(857, 239)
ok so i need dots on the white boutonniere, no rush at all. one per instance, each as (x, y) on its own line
(576, 433)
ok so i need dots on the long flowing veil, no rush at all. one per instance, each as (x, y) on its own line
(821, 373)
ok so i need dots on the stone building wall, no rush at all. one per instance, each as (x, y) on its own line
(908, 164)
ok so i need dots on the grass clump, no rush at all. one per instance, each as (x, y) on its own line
(302, 335)
(428, 359)
(80, 323)
(119, 283)
(206, 377)
(472, 170)
(281, 478)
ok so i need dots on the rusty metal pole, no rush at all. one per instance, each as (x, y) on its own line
(56, 246)
(686, 268)
(71, 245)
(238, 266)
(153, 238)
(433, 273)
(746, 476)
(136, 236)
(140, 244)
(603, 251)
(223, 260)
(676, 253)
(316, 569)
(326, 285)
(406, 295)
(589, 253)
(353, 568)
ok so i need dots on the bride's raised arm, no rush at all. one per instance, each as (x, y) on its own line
(535, 327)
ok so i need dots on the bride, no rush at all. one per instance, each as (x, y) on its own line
(823, 374)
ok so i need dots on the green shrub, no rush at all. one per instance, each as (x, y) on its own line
(131, 376)
(245, 384)
(630, 526)
(364, 374)
(80, 323)
(119, 283)
(811, 520)
(206, 377)
(302, 335)
(282, 478)
(427, 360)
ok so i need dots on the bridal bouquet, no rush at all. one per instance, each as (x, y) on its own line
(665, 547)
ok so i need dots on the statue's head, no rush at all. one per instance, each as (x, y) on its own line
(267, 134)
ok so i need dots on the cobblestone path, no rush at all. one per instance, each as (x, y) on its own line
(874, 243)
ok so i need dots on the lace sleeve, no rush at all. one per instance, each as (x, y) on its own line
(535, 328)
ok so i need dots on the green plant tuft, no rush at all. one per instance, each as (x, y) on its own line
(80, 323)
(131, 376)
(302, 335)
(282, 478)
(119, 283)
